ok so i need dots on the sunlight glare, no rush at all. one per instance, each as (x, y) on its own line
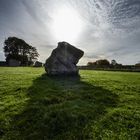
(67, 25)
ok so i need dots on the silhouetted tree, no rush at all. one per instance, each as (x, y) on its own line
(91, 64)
(102, 62)
(18, 49)
(137, 64)
(113, 62)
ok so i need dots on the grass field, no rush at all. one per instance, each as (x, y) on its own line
(99, 105)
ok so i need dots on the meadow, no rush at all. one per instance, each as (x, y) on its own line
(98, 105)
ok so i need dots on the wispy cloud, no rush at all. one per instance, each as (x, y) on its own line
(111, 27)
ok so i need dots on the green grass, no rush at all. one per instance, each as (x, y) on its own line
(99, 105)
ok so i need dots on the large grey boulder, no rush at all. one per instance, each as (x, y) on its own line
(63, 60)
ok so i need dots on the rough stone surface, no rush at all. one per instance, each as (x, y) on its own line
(63, 60)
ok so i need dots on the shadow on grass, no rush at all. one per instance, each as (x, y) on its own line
(61, 108)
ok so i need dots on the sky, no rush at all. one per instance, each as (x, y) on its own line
(103, 29)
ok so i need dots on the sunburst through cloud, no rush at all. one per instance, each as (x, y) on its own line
(66, 24)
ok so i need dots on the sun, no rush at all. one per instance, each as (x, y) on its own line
(67, 25)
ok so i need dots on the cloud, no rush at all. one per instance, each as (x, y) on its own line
(111, 27)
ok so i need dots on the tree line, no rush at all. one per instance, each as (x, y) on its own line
(17, 49)
(104, 63)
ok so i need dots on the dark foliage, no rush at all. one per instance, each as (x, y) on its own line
(137, 65)
(99, 63)
(18, 49)
(3, 63)
(113, 62)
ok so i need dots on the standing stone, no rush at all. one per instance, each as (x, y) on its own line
(63, 60)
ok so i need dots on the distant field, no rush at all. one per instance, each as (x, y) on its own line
(100, 105)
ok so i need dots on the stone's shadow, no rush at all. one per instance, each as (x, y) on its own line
(62, 108)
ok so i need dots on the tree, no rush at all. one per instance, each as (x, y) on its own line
(18, 49)
(102, 62)
(113, 62)
(137, 64)
(90, 64)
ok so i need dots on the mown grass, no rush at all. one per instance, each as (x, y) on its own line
(97, 105)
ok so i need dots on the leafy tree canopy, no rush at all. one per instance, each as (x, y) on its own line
(101, 62)
(15, 48)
